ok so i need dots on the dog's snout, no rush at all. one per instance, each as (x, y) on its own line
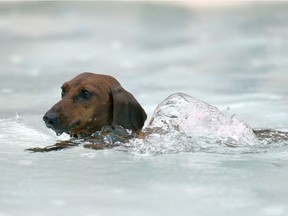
(51, 119)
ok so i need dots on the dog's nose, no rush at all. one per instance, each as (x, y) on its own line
(51, 119)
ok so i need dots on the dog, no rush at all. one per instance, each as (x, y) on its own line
(97, 109)
(94, 103)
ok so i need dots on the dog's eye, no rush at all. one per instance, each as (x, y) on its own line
(85, 94)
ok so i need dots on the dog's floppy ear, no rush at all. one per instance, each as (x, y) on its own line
(127, 112)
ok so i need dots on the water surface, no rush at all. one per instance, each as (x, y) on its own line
(233, 58)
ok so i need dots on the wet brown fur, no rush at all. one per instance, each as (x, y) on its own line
(109, 104)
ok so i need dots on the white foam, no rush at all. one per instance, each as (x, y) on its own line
(183, 123)
(19, 131)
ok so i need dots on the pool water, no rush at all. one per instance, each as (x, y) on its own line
(234, 58)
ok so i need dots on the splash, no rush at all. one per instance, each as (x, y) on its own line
(180, 123)
(183, 123)
(25, 131)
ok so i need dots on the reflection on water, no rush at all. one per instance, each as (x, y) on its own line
(234, 58)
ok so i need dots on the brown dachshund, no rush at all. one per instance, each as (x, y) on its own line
(97, 108)
(90, 102)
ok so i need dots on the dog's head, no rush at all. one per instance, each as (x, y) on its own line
(91, 101)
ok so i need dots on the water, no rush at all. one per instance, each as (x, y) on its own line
(232, 58)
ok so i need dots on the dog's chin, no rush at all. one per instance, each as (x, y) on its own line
(73, 132)
(71, 129)
(59, 132)
(79, 134)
